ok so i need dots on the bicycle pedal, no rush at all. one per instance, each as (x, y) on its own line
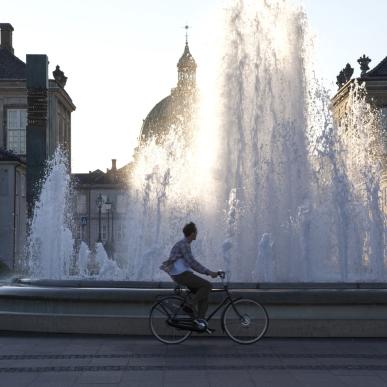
(210, 331)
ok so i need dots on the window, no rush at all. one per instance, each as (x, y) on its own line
(104, 232)
(81, 203)
(384, 123)
(23, 185)
(4, 182)
(121, 232)
(16, 130)
(122, 204)
(104, 208)
(78, 232)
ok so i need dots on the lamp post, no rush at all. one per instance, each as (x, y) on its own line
(108, 206)
(99, 203)
(112, 225)
(110, 237)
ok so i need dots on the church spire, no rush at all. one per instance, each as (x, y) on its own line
(186, 68)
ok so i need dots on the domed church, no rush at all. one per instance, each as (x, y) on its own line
(175, 112)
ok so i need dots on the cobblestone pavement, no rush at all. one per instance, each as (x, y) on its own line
(41, 360)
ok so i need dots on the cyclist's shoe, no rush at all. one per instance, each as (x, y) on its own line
(201, 323)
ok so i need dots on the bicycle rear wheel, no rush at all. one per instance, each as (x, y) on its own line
(245, 321)
(162, 311)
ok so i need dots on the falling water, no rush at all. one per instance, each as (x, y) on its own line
(50, 244)
(278, 189)
(292, 196)
(51, 249)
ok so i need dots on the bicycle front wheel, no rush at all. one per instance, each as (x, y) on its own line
(245, 321)
(164, 311)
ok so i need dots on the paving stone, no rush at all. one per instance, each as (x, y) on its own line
(55, 379)
(207, 361)
(317, 379)
(230, 378)
(274, 378)
(17, 380)
(109, 361)
(96, 378)
(362, 381)
(142, 378)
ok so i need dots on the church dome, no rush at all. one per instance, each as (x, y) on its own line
(177, 107)
(158, 120)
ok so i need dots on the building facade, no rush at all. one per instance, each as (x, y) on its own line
(375, 81)
(14, 117)
(12, 209)
(14, 103)
(101, 209)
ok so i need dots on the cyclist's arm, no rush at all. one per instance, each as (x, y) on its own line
(192, 262)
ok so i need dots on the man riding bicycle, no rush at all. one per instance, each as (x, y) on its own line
(179, 265)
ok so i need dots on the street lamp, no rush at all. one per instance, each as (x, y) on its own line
(99, 203)
(109, 246)
(108, 206)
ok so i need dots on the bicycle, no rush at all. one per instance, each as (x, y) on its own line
(245, 321)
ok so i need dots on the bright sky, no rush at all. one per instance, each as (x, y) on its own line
(120, 56)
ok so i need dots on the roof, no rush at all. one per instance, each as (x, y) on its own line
(379, 71)
(186, 61)
(11, 67)
(99, 177)
(158, 120)
(6, 155)
(172, 110)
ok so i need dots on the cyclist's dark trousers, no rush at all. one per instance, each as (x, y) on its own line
(199, 287)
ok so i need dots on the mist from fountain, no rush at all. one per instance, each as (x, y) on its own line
(50, 242)
(287, 194)
(51, 249)
(279, 191)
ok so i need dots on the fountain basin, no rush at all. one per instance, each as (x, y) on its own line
(112, 307)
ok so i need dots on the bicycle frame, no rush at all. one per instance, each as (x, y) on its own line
(226, 301)
(243, 312)
(185, 323)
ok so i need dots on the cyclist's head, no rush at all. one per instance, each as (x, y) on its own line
(189, 229)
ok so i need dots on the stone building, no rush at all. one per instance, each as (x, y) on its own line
(101, 208)
(173, 112)
(375, 81)
(13, 103)
(14, 107)
(12, 208)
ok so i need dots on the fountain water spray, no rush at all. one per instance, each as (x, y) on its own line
(50, 244)
(298, 204)
(278, 189)
(51, 249)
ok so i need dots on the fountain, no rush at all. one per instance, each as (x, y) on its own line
(280, 166)
(281, 191)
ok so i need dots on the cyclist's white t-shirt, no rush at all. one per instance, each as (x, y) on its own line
(181, 259)
(180, 266)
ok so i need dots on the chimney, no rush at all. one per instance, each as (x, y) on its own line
(114, 164)
(6, 36)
